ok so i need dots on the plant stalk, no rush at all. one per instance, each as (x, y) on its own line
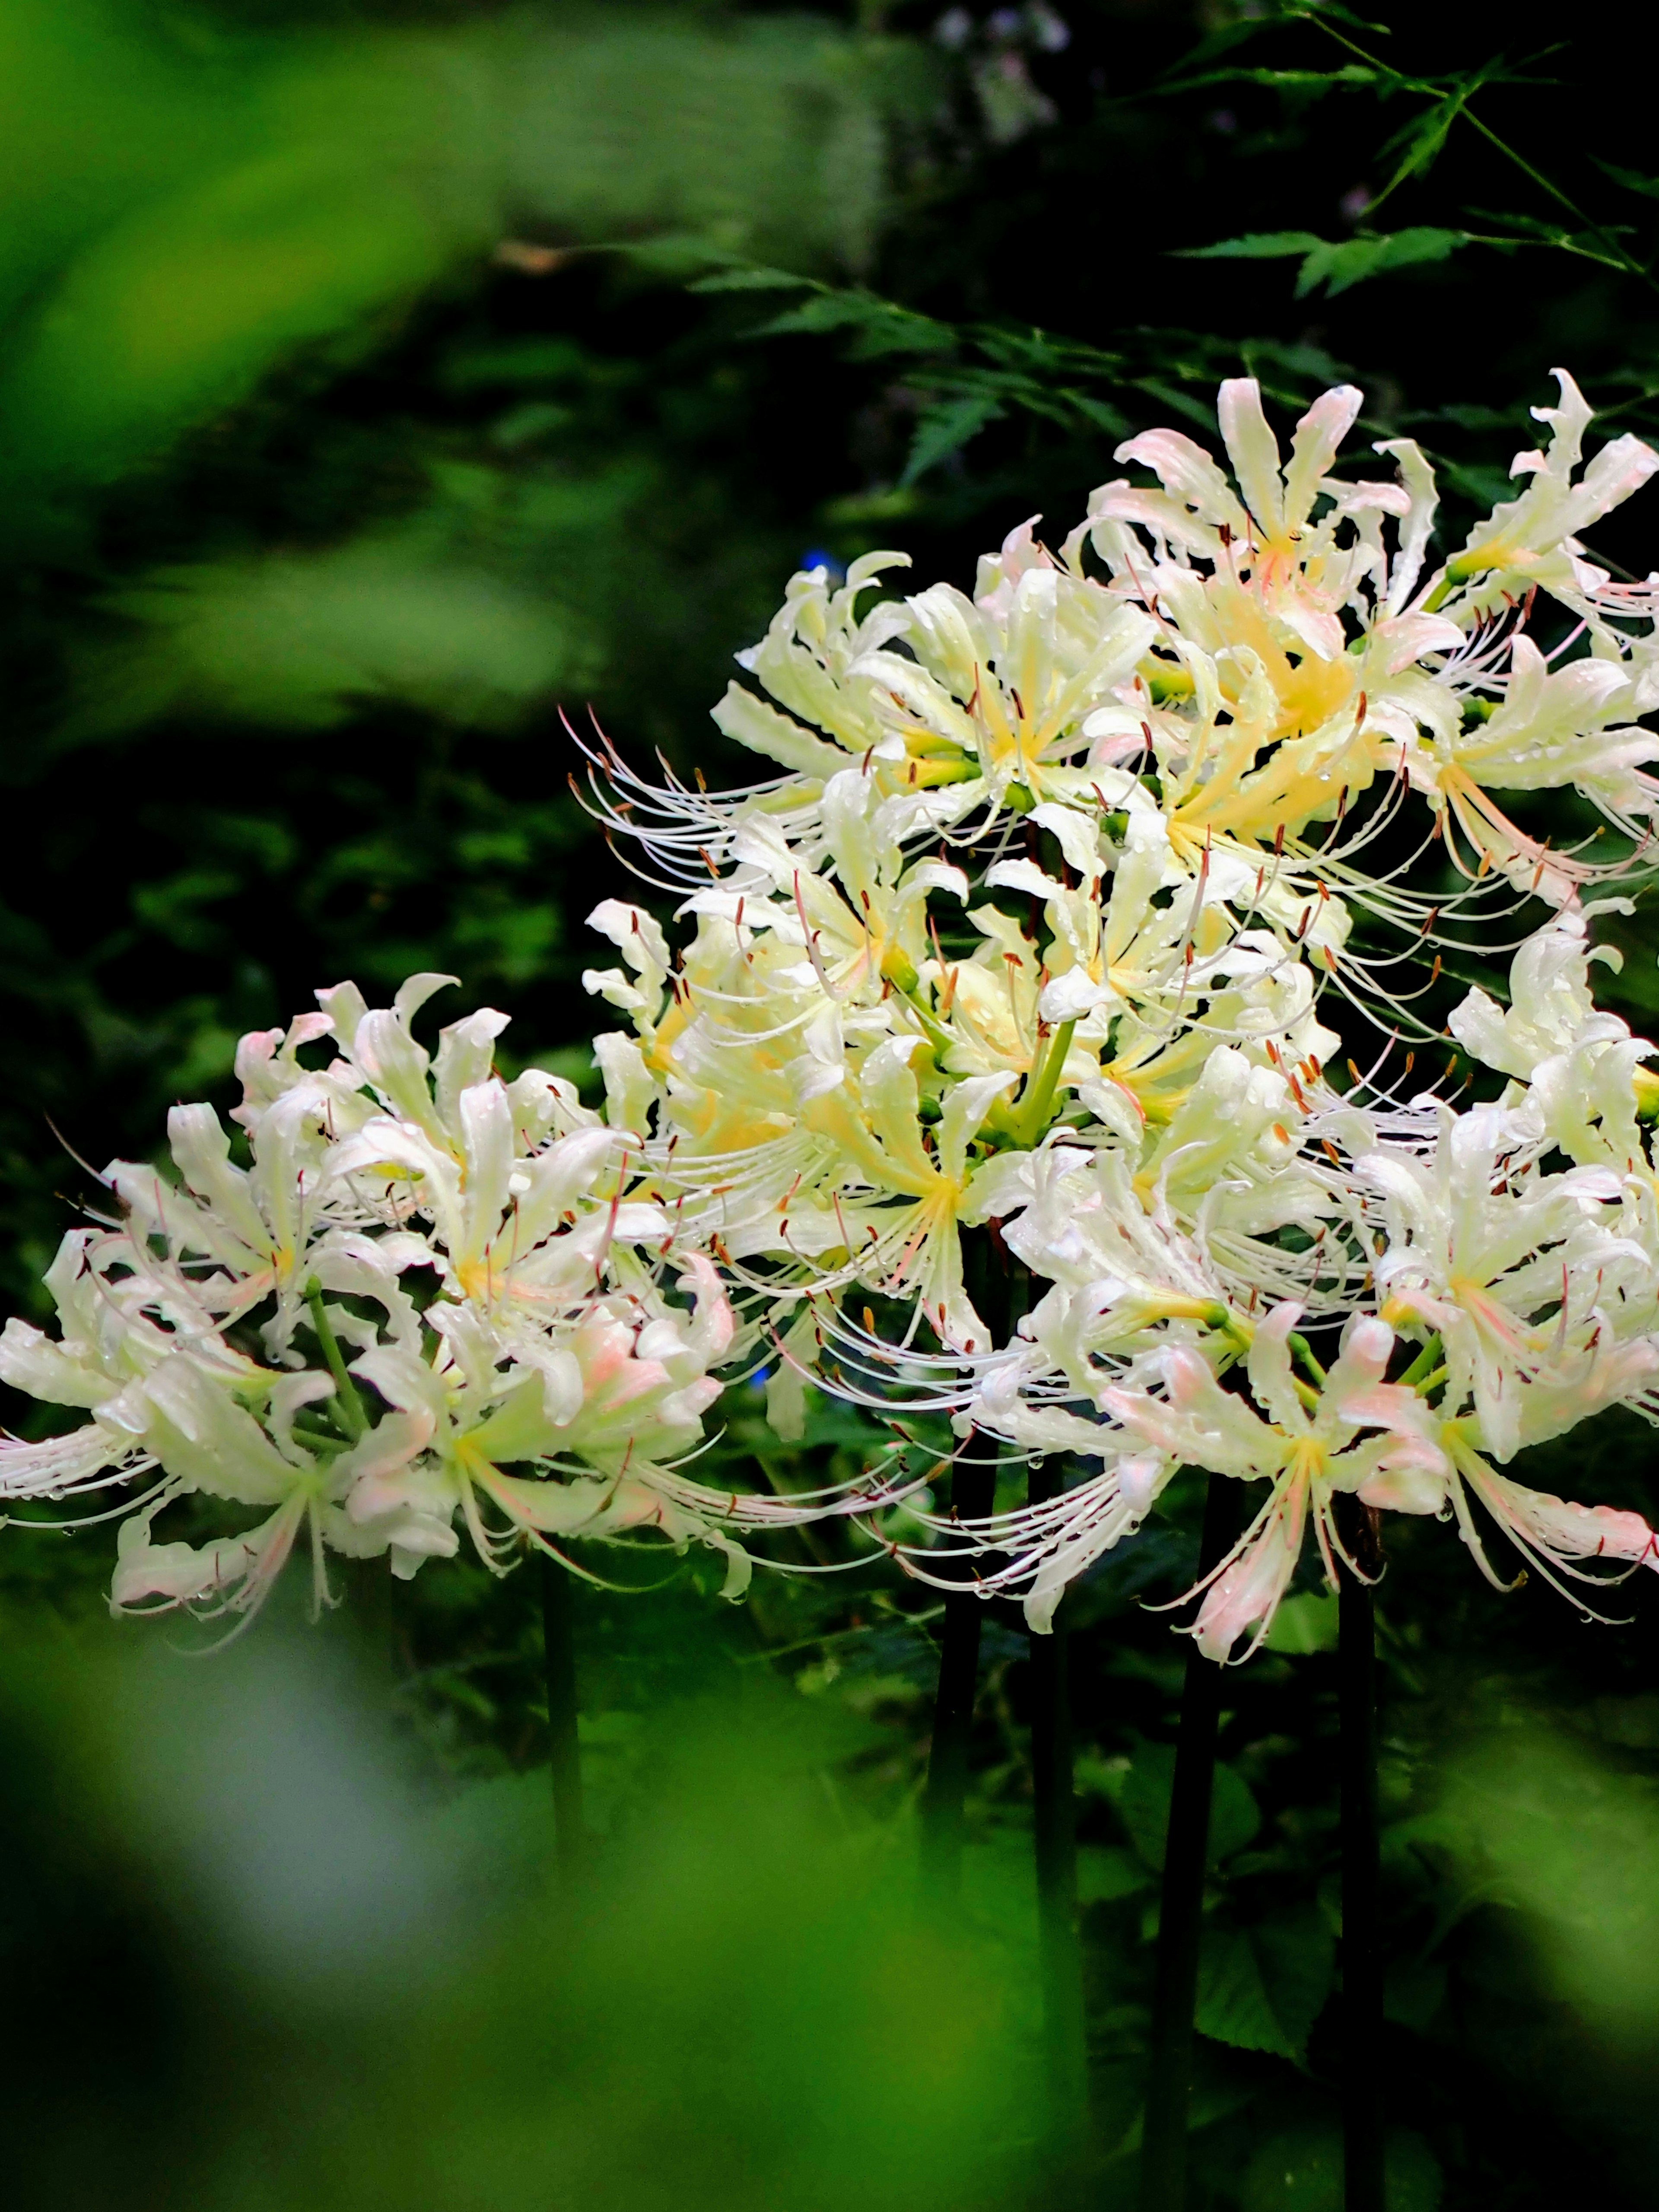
(999, 1290)
(973, 1494)
(1054, 1829)
(1181, 1910)
(1362, 1942)
(347, 1403)
(564, 1755)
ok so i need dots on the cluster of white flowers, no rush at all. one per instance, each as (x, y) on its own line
(431, 1299)
(1032, 943)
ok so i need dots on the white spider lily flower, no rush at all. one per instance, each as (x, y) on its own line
(1551, 1005)
(122, 1317)
(504, 1226)
(551, 1386)
(1305, 1442)
(1533, 540)
(1552, 728)
(1556, 1537)
(1293, 665)
(603, 1417)
(1511, 1268)
(912, 1247)
(1007, 682)
(1094, 1023)
(1577, 1070)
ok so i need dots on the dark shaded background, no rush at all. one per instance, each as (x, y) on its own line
(336, 460)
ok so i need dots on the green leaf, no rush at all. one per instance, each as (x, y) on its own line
(1336, 263)
(1262, 1988)
(753, 280)
(1229, 35)
(1144, 1806)
(1630, 179)
(1300, 2170)
(1233, 2006)
(1101, 413)
(1298, 81)
(1256, 246)
(1421, 139)
(880, 327)
(1338, 267)
(944, 429)
(1106, 1872)
(1304, 1624)
(1296, 1956)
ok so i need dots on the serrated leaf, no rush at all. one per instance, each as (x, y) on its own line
(879, 326)
(1341, 266)
(1144, 1806)
(1233, 2005)
(1256, 245)
(1229, 35)
(1421, 139)
(1296, 1955)
(944, 428)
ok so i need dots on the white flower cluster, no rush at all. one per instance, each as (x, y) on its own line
(431, 1299)
(1032, 941)
(1007, 1005)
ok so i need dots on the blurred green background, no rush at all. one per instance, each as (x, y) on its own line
(365, 401)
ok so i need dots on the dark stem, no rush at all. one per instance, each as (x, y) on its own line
(973, 1494)
(1362, 1944)
(999, 1290)
(1181, 1912)
(564, 1756)
(1054, 1824)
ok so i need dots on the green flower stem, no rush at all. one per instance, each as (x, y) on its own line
(1181, 1912)
(1304, 1351)
(1362, 1944)
(564, 1754)
(349, 1405)
(1423, 1366)
(1054, 1828)
(1031, 1116)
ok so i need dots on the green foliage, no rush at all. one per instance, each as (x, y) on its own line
(226, 199)
(1336, 267)
(337, 456)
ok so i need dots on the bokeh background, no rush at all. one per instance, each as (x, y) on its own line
(378, 380)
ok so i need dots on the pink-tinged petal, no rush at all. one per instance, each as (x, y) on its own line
(1200, 1423)
(1188, 472)
(1245, 1595)
(1314, 447)
(712, 1331)
(1389, 1405)
(1404, 1489)
(1272, 1380)
(1253, 451)
(1564, 1530)
(1367, 1347)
